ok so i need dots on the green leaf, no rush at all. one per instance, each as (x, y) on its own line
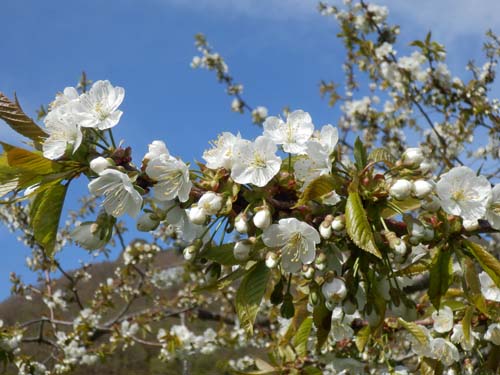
(430, 366)
(357, 225)
(415, 330)
(12, 113)
(382, 154)
(409, 204)
(45, 213)
(360, 154)
(319, 187)
(440, 276)
(311, 370)
(302, 335)
(221, 254)
(362, 337)
(466, 322)
(250, 293)
(472, 286)
(29, 161)
(488, 262)
(322, 318)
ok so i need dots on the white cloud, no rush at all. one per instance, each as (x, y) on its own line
(449, 19)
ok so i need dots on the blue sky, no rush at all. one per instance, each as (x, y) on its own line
(279, 49)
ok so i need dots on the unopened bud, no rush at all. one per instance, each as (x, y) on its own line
(197, 215)
(271, 260)
(401, 189)
(412, 157)
(147, 222)
(210, 203)
(242, 250)
(190, 252)
(99, 164)
(262, 218)
(308, 272)
(241, 223)
(338, 223)
(325, 229)
(422, 188)
(334, 290)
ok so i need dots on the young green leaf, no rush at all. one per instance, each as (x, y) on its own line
(250, 293)
(488, 262)
(45, 213)
(319, 187)
(440, 276)
(221, 254)
(302, 335)
(357, 225)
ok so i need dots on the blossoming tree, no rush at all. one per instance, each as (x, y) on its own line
(334, 249)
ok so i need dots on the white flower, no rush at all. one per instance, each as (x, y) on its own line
(493, 208)
(99, 164)
(255, 162)
(319, 155)
(262, 218)
(493, 333)
(384, 50)
(443, 319)
(98, 108)
(401, 189)
(444, 351)
(64, 133)
(171, 176)
(293, 134)
(334, 290)
(119, 193)
(69, 94)
(297, 241)
(127, 329)
(488, 287)
(221, 155)
(210, 202)
(463, 194)
(87, 236)
(259, 114)
(242, 250)
(458, 337)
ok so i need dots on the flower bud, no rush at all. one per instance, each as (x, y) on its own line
(87, 236)
(325, 229)
(271, 260)
(210, 202)
(338, 223)
(197, 215)
(422, 188)
(470, 225)
(147, 222)
(262, 219)
(412, 157)
(401, 189)
(190, 252)
(320, 261)
(334, 290)
(308, 272)
(241, 223)
(99, 164)
(242, 250)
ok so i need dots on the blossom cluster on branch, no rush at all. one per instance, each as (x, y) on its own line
(336, 249)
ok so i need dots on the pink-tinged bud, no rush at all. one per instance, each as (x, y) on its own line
(401, 189)
(262, 219)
